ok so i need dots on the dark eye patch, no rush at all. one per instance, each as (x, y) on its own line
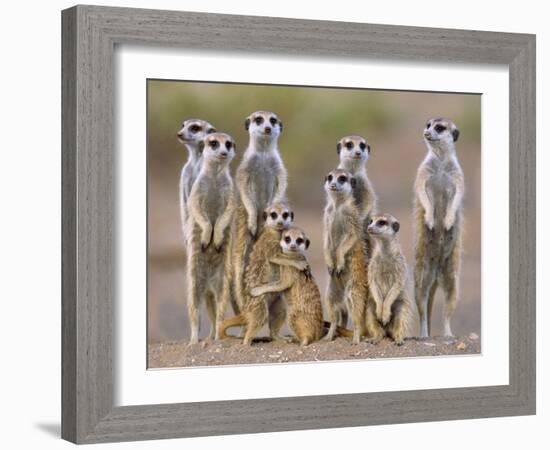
(210, 131)
(342, 179)
(362, 146)
(285, 215)
(382, 223)
(273, 121)
(440, 128)
(349, 145)
(288, 240)
(299, 241)
(195, 128)
(214, 144)
(428, 125)
(273, 215)
(329, 178)
(259, 120)
(228, 145)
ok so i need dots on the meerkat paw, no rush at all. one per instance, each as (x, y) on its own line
(374, 340)
(449, 222)
(256, 291)
(330, 271)
(429, 221)
(379, 311)
(386, 316)
(339, 271)
(398, 340)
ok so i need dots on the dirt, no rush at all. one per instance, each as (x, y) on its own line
(231, 352)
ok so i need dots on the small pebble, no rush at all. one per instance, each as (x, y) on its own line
(474, 336)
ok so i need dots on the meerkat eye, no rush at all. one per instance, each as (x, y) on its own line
(349, 145)
(299, 241)
(382, 223)
(273, 215)
(214, 144)
(329, 178)
(342, 179)
(210, 131)
(228, 145)
(440, 128)
(273, 121)
(362, 146)
(285, 215)
(259, 120)
(288, 240)
(194, 128)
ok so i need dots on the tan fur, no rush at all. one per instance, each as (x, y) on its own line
(439, 189)
(211, 206)
(261, 180)
(305, 312)
(389, 308)
(263, 267)
(345, 256)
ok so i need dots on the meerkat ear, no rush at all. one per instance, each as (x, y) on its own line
(280, 125)
(292, 215)
(307, 243)
(247, 124)
(338, 147)
(210, 130)
(353, 182)
(265, 215)
(396, 226)
(201, 147)
(456, 133)
(368, 148)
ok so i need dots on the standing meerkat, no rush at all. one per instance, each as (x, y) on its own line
(211, 208)
(261, 180)
(191, 134)
(264, 267)
(305, 312)
(389, 308)
(439, 189)
(354, 152)
(345, 255)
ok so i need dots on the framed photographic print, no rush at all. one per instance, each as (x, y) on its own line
(279, 205)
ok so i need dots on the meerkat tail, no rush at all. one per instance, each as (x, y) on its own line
(342, 331)
(236, 321)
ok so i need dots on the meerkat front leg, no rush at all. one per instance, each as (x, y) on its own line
(299, 264)
(391, 296)
(200, 217)
(249, 206)
(424, 200)
(341, 252)
(378, 299)
(282, 182)
(455, 203)
(223, 222)
(331, 297)
(275, 286)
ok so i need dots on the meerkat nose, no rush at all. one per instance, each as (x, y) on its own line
(358, 153)
(268, 130)
(427, 134)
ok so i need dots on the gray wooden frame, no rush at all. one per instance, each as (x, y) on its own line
(90, 34)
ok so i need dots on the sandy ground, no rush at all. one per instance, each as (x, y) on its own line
(231, 351)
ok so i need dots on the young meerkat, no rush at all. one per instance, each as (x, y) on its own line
(211, 208)
(345, 256)
(439, 189)
(265, 262)
(305, 312)
(389, 308)
(354, 152)
(191, 134)
(261, 180)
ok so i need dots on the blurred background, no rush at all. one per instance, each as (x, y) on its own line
(314, 119)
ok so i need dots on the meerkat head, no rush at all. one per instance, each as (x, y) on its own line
(278, 216)
(218, 148)
(353, 149)
(264, 125)
(194, 131)
(440, 133)
(384, 225)
(339, 182)
(294, 240)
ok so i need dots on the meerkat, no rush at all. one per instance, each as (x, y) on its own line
(305, 312)
(191, 134)
(265, 262)
(261, 180)
(211, 208)
(439, 189)
(388, 309)
(354, 152)
(345, 255)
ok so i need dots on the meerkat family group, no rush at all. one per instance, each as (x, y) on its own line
(243, 247)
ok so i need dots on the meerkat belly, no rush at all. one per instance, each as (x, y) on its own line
(385, 274)
(441, 190)
(263, 181)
